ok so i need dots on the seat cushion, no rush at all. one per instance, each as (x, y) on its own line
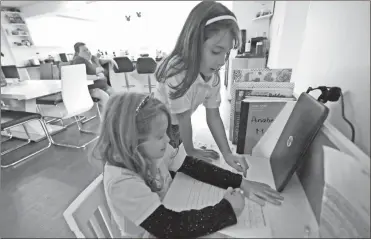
(52, 99)
(11, 118)
(124, 64)
(146, 65)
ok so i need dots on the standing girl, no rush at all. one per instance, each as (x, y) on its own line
(133, 147)
(189, 77)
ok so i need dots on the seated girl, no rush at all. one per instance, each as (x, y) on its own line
(137, 159)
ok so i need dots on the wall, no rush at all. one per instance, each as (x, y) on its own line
(336, 52)
(246, 11)
(286, 33)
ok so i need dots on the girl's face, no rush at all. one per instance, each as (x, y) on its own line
(155, 145)
(215, 51)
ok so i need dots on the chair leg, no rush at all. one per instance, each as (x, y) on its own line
(78, 120)
(91, 118)
(8, 135)
(43, 125)
(54, 118)
(20, 145)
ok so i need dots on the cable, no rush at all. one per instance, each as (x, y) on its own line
(345, 119)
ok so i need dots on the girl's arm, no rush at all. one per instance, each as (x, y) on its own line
(130, 197)
(165, 223)
(186, 132)
(216, 126)
(209, 173)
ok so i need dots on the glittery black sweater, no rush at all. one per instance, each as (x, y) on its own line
(165, 223)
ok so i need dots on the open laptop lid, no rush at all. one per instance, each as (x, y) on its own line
(305, 121)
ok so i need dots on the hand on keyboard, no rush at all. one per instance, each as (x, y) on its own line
(236, 199)
(260, 193)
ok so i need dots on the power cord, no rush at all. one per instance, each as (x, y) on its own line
(333, 94)
(345, 119)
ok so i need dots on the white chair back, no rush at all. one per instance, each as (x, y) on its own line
(75, 92)
(88, 216)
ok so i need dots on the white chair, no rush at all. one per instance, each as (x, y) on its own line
(88, 216)
(76, 99)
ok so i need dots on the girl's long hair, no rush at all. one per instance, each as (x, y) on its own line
(122, 131)
(189, 46)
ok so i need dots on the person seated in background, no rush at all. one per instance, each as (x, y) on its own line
(100, 89)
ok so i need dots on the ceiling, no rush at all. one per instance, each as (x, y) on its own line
(17, 3)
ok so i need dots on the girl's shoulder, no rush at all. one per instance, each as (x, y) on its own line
(113, 174)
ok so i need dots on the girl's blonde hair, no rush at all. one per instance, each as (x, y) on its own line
(188, 49)
(123, 128)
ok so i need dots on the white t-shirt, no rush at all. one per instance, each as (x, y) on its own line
(130, 200)
(199, 92)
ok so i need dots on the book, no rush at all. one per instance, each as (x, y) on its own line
(262, 75)
(241, 90)
(257, 114)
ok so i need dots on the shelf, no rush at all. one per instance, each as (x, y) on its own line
(15, 24)
(11, 12)
(18, 35)
(263, 17)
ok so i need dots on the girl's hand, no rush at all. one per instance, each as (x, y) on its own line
(236, 199)
(238, 162)
(206, 155)
(260, 193)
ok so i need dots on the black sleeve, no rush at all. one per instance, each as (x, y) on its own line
(165, 223)
(209, 173)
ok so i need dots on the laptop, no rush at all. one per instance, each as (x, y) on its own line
(305, 121)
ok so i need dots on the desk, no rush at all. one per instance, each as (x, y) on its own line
(22, 97)
(288, 220)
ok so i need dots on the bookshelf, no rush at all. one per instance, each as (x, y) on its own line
(15, 29)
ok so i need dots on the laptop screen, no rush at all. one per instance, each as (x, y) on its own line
(10, 71)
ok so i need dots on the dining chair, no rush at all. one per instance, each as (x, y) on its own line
(88, 216)
(76, 99)
(11, 119)
(56, 98)
(147, 66)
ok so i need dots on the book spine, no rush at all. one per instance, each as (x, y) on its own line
(273, 92)
(239, 95)
(241, 134)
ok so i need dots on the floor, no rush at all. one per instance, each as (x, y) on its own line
(35, 193)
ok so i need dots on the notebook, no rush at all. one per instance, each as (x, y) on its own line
(197, 195)
(301, 128)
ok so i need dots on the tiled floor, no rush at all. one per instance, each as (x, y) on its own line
(35, 194)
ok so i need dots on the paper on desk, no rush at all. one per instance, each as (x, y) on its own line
(243, 232)
(345, 209)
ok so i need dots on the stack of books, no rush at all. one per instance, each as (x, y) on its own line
(255, 104)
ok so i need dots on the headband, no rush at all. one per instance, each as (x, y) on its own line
(223, 17)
